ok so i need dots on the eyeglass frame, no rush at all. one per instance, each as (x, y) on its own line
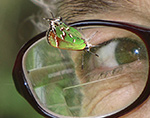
(24, 89)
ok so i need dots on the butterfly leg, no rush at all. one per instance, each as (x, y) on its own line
(82, 65)
(87, 49)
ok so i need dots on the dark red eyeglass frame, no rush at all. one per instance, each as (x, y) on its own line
(24, 89)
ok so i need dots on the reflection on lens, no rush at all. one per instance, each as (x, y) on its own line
(105, 84)
(50, 70)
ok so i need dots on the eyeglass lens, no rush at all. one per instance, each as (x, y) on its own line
(105, 84)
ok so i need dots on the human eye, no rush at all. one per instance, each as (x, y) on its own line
(120, 71)
(115, 55)
(118, 52)
(115, 50)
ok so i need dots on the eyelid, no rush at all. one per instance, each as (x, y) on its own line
(106, 34)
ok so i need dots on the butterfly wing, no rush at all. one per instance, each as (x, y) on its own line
(57, 42)
(69, 34)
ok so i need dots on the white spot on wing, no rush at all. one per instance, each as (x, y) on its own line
(56, 41)
(74, 40)
(61, 29)
(67, 28)
(62, 36)
(70, 35)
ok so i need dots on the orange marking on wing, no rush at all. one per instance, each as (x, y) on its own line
(56, 38)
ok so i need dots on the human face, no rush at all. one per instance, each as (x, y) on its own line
(132, 11)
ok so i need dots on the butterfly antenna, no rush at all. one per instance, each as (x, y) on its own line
(92, 35)
(47, 19)
(52, 15)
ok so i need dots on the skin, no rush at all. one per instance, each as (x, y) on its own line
(129, 83)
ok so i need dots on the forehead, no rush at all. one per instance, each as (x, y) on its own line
(74, 10)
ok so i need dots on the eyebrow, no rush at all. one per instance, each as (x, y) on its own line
(69, 9)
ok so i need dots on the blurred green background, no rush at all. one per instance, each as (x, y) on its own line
(12, 14)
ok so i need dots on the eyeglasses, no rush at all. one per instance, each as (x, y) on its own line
(110, 85)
